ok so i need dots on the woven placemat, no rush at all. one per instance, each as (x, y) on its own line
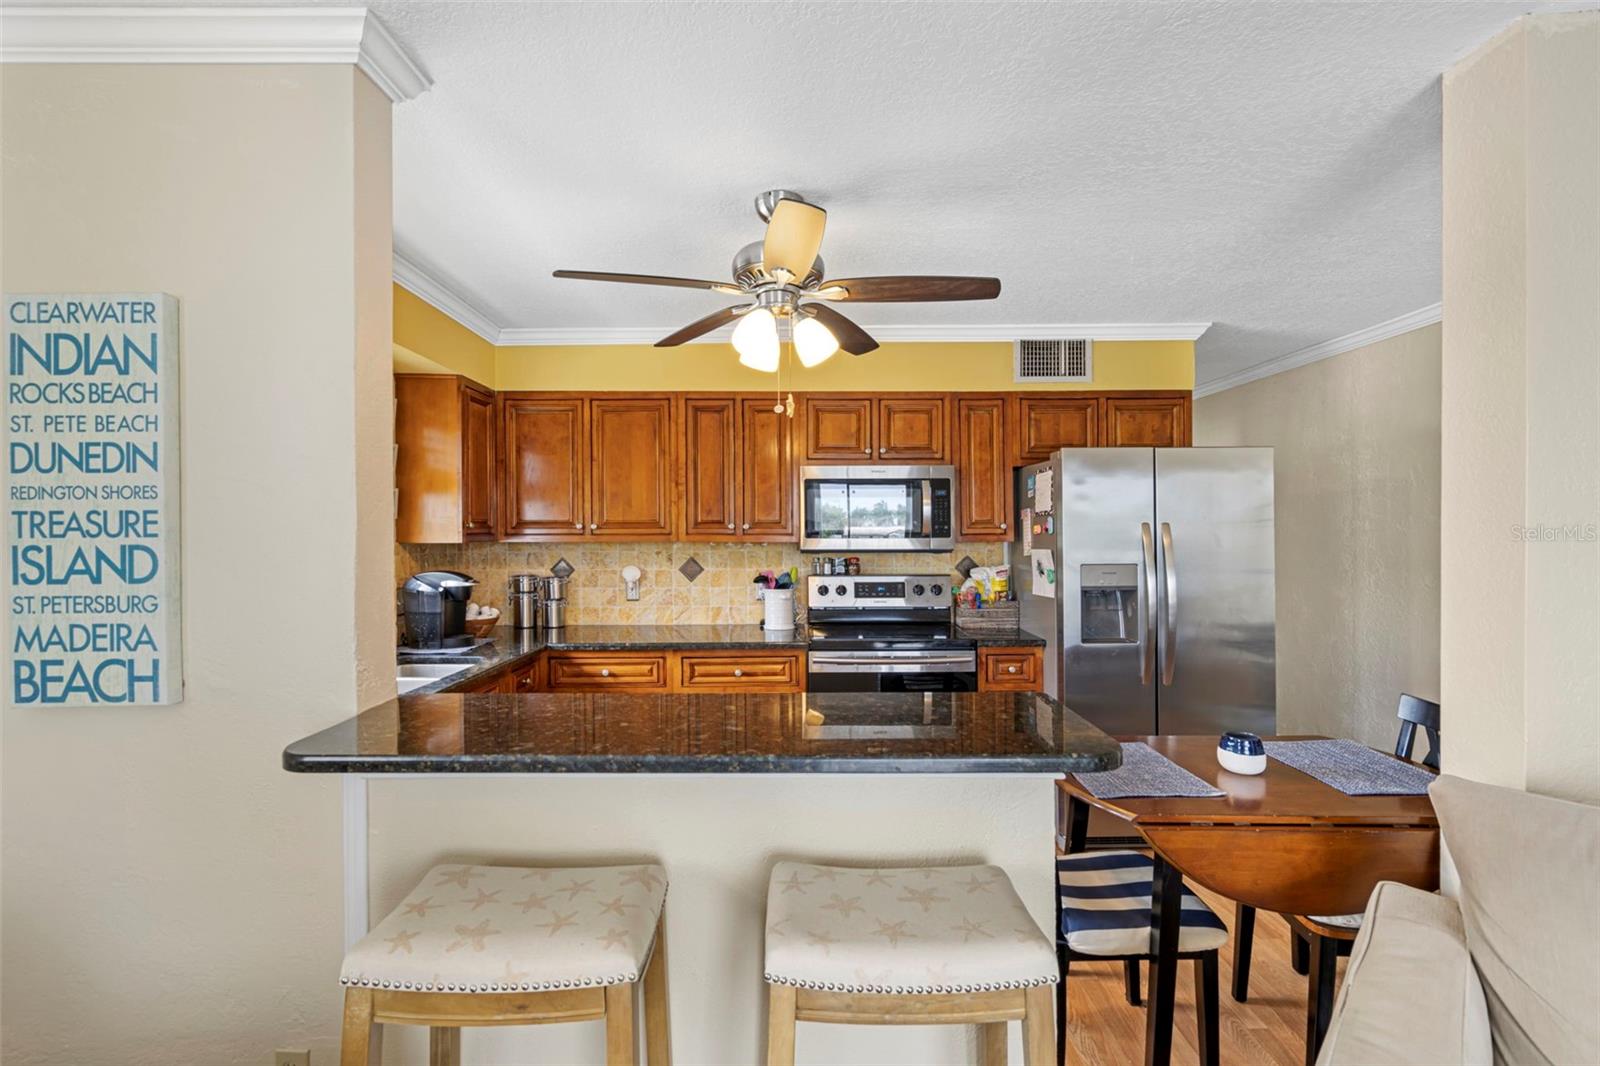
(1354, 769)
(1145, 772)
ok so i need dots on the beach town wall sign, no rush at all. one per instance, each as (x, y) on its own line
(91, 498)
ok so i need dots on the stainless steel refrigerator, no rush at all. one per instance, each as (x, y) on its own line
(1150, 573)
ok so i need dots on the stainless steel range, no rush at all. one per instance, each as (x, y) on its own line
(885, 634)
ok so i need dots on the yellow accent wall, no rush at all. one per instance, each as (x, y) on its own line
(966, 366)
(428, 341)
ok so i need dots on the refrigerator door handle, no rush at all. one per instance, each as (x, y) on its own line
(1148, 595)
(1169, 607)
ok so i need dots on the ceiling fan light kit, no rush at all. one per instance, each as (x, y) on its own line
(782, 277)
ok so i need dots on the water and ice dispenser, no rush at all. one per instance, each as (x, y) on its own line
(1109, 603)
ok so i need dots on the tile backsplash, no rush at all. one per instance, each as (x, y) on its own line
(723, 593)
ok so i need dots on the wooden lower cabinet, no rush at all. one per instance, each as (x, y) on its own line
(739, 671)
(1010, 669)
(604, 671)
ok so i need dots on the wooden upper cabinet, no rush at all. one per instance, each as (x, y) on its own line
(630, 467)
(477, 463)
(767, 473)
(1145, 421)
(546, 466)
(838, 428)
(711, 467)
(444, 465)
(983, 468)
(1042, 423)
(911, 428)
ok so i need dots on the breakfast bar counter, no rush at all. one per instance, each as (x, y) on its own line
(716, 788)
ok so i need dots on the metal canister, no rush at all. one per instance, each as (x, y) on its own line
(522, 594)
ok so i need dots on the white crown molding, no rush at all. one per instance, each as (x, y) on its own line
(414, 278)
(1422, 316)
(1100, 331)
(79, 34)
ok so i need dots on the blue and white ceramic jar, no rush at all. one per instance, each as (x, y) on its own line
(1241, 753)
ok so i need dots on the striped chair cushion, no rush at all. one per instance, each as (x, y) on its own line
(1105, 906)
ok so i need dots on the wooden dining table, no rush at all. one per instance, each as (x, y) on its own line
(1279, 841)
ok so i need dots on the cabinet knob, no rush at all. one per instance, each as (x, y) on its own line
(606, 672)
(866, 451)
(730, 525)
(747, 525)
(593, 526)
(1011, 669)
(883, 451)
(738, 672)
(1002, 525)
(578, 525)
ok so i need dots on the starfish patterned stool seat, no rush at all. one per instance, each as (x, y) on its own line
(508, 945)
(911, 946)
(1104, 899)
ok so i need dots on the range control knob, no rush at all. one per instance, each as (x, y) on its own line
(917, 590)
(839, 590)
(822, 590)
(937, 590)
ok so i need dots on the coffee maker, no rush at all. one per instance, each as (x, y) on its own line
(435, 607)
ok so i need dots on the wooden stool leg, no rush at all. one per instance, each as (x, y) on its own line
(780, 1025)
(1130, 980)
(444, 1045)
(1206, 1008)
(1062, 965)
(622, 1047)
(1038, 1026)
(356, 1037)
(1244, 935)
(1319, 993)
(657, 1014)
(992, 1044)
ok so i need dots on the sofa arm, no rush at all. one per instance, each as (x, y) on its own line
(1410, 994)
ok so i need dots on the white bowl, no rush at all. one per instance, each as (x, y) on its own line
(1241, 764)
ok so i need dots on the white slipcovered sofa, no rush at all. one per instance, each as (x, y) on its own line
(1503, 967)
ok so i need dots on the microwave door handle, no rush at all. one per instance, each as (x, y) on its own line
(1147, 593)
(927, 508)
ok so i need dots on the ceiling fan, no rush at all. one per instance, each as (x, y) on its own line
(782, 276)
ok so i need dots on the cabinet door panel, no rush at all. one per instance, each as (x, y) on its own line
(839, 428)
(767, 484)
(711, 466)
(1046, 423)
(477, 464)
(983, 470)
(912, 428)
(546, 465)
(630, 478)
(1148, 422)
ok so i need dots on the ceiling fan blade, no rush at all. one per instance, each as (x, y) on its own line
(909, 288)
(851, 337)
(700, 326)
(794, 236)
(650, 279)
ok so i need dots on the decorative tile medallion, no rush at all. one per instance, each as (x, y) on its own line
(691, 568)
(562, 568)
(965, 566)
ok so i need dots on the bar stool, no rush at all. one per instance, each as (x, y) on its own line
(506, 945)
(948, 945)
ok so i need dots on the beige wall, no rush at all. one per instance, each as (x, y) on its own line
(170, 894)
(1520, 644)
(1356, 449)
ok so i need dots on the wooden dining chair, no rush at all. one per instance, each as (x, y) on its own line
(1318, 940)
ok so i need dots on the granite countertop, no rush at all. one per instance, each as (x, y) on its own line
(808, 732)
(515, 648)
(1015, 638)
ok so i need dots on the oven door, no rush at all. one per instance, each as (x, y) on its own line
(955, 670)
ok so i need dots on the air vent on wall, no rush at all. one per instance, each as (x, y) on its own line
(1054, 360)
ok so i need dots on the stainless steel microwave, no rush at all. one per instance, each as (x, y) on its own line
(877, 508)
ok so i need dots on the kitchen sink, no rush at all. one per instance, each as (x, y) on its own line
(411, 676)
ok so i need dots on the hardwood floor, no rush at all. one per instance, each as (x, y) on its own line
(1269, 1030)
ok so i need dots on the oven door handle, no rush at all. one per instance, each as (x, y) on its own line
(875, 660)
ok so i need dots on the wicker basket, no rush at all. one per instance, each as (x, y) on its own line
(482, 627)
(1003, 617)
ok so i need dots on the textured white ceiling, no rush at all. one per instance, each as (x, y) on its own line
(1270, 167)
